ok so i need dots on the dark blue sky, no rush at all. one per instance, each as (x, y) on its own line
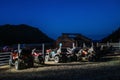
(92, 18)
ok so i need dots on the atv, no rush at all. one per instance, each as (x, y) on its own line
(61, 55)
(86, 54)
(38, 56)
(21, 59)
(57, 56)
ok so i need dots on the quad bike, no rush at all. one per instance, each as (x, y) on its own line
(61, 55)
(71, 55)
(50, 54)
(38, 56)
(57, 56)
(21, 59)
(86, 54)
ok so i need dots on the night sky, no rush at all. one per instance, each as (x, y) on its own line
(92, 18)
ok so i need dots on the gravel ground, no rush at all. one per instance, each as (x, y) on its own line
(108, 69)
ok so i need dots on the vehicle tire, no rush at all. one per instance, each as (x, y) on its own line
(10, 63)
(79, 58)
(57, 59)
(75, 58)
(17, 65)
(69, 58)
(41, 60)
(90, 58)
(30, 64)
(46, 58)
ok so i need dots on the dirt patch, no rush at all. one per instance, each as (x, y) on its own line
(107, 70)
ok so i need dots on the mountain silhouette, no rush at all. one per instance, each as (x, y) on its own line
(13, 34)
(114, 37)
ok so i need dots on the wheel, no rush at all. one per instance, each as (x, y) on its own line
(57, 59)
(10, 63)
(74, 57)
(46, 58)
(91, 58)
(41, 60)
(79, 58)
(30, 64)
(69, 58)
(17, 65)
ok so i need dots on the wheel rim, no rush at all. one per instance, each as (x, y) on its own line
(56, 59)
(46, 58)
(10, 62)
(16, 65)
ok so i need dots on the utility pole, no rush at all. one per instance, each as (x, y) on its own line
(97, 44)
(108, 44)
(119, 44)
(18, 49)
(43, 48)
(84, 45)
(92, 45)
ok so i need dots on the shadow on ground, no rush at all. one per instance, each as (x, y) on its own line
(90, 72)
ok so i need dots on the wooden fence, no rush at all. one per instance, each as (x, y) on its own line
(4, 58)
(115, 45)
